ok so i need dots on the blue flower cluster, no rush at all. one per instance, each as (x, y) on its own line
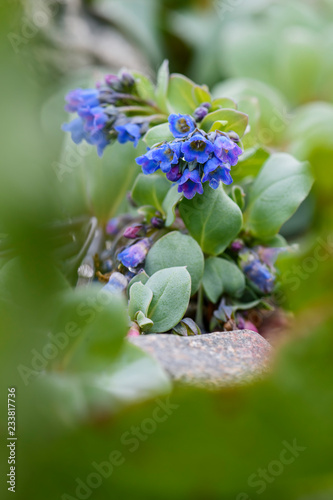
(193, 157)
(258, 266)
(99, 121)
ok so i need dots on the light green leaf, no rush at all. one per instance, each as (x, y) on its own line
(212, 218)
(144, 86)
(110, 178)
(249, 163)
(180, 98)
(150, 190)
(143, 322)
(140, 299)
(169, 204)
(238, 195)
(162, 86)
(282, 184)
(171, 294)
(95, 323)
(222, 276)
(237, 121)
(201, 94)
(176, 250)
(157, 134)
(138, 278)
(131, 378)
(223, 102)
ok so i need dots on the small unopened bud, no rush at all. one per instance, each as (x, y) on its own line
(127, 79)
(200, 113)
(114, 82)
(157, 222)
(236, 245)
(134, 231)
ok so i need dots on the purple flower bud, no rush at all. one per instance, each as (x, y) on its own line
(245, 324)
(134, 231)
(237, 245)
(200, 113)
(127, 79)
(157, 222)
(206, 105)
(114, 82)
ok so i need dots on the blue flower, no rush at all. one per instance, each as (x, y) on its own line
(197, 148)
(181, 125)
(226, 150)
(89, 126)
(99, 140)
(190, 183)
(174, 174)
(215, 171)
(256, 271)
(260, 275)
(116, 284)
(76, 129)
(80, 98)
(148, 165)
(166, 155)
(135, 254)
(128, 132)
(94, 118)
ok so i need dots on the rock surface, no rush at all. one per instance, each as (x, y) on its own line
(212, 360)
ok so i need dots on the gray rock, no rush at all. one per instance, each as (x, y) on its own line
(212, 360)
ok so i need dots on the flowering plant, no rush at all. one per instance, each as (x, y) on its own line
(199, 252)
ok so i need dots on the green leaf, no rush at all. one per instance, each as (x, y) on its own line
(282, 184)
(249, 163)
(180, 98)
(150, 190)
(134, 376)
(271, 103)
(94, 322)
(212, 218)
(162, 86)
(144, 86)
(143, 322)
(157, 134)
(236, 121)
(138, 278)
(201, 94)
(140, 299)
(223, 102)
(148, 212)
(169, 204)
(171, 294)
(222, 276)
(238, 195)
(110, 178)
(176, 250)
(186, 328)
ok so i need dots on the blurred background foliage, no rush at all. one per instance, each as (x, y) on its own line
(275, 59)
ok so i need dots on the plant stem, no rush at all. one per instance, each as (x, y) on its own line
(199, 312)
